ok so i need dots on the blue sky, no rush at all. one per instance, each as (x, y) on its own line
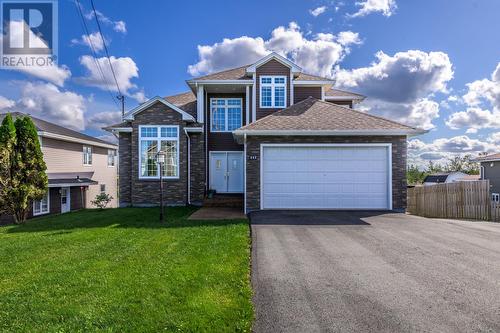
(431, 64)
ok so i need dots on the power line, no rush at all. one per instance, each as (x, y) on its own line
(105, 48)
(94, 53)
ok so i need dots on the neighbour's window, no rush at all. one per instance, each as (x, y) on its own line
(87, 155)
(225, 114)
(103, 188)
(152, 139)
(272, 91)
(111, 157)
(495, 197)
(41, 206)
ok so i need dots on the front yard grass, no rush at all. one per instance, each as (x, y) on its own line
(120, 270)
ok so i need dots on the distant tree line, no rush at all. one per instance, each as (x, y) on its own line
(416, 175)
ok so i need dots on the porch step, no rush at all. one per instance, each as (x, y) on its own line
(224, 200)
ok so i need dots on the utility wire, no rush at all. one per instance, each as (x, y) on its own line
(94, 53)
(105, 47)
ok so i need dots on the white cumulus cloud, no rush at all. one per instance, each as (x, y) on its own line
(103, 119)
(317, 11)
(403, 77)
(317, 55)
(94, 40)
(125, 70)
(47, 101)
(385, 7)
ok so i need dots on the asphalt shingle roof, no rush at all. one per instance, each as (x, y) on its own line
(342, 93)
(314, 114)
(45, 126)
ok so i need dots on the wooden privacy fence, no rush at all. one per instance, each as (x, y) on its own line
(460, 200)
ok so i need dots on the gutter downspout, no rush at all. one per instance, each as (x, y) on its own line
(245, 174)
(188, 167)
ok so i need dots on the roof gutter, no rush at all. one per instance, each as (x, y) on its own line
(77, 140)
(415, 132)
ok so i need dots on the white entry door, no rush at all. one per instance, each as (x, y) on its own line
(65, 199)
(226, 172)
(326, 177)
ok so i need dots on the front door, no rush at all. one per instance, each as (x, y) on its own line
(65, 199)
(226, 172)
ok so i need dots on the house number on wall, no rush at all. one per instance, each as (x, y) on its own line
(252, 157)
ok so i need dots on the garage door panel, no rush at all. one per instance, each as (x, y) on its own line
(325, 177)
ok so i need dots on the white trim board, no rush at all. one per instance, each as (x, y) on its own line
(389, 164)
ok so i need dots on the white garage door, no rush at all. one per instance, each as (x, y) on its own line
(326, 177)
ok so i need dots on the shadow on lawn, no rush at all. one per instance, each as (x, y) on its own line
(176, 217)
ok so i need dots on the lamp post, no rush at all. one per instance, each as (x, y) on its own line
(160, 159)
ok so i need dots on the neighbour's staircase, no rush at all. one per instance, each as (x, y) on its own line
(224, 200)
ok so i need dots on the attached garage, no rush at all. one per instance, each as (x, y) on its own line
(326, 176)
(318, 155)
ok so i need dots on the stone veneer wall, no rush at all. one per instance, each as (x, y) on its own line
(398, 162)
(145, 192)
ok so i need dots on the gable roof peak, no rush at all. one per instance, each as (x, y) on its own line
(273, 55)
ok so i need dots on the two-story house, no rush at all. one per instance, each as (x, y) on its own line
(279, 137)
(79, 167)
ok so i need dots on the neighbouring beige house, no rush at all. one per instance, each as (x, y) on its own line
(79, 167)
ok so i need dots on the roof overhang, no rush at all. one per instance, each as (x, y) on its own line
(118, 129)
(486, 160)
(239, 134)
(344, 98)
(55, 136)
(277, 57)
(313, 83)
(193, 129)
(130, 115)
(215, 82)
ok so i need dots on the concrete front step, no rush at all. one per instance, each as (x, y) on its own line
(230, 201)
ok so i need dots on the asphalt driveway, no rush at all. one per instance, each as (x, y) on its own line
(371, 271)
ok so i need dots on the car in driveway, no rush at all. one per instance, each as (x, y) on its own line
(373, 271)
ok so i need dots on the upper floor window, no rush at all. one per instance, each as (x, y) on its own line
(111, 157)
(272, 91)
(152, 139)
(226, 114)
(87, 155)
(41, 206)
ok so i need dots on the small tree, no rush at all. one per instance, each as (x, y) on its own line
(101, 200)
(7, 145)
(26, 180)
(414, 175)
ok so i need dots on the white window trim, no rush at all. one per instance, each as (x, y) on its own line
(48, 206)
(114, 158)
(84, 153)
(272, 85)
(158, 138)
(495, 197)
(226, 113)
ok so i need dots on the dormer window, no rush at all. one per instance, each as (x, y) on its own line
(272, 91)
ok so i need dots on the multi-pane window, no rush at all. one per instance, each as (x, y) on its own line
(103, 188)
(41, 206)
(226, 114)
(111, 157)
(87, 155)
(152, 139)
(272, 91)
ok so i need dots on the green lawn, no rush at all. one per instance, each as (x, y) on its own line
(119, 270)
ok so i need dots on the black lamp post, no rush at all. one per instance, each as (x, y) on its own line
(160, 159)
